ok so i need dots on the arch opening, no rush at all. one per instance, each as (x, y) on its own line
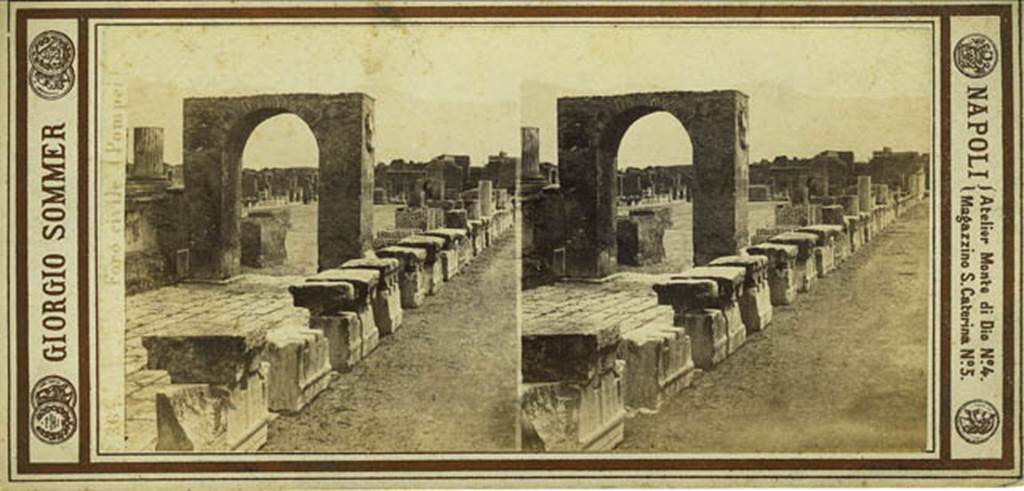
(279, 172)
(654, 173)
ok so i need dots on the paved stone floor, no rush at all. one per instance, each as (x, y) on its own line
(446, 381)
(845, 369)
(250, 300)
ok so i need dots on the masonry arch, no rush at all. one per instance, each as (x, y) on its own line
(590, 130)
(215, 133)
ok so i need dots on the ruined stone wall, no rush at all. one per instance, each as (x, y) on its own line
(156, 238)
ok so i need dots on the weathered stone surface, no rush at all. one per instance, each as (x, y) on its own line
(866, 202)
(264, 233)
(344, 334)
(658, 365)
(411, 281)
(215, 132)
(687, 294)
(782, 281)
(574, 416)
(300, 367)
(387, 298)
(730, 280)
(709, 336)
(419, 218)
(432, 245)
(641, 238)
(755, 301)
(208, 354)
(204, 417)
(453, 237)
(587, 126)
(805, 268)
(323, 298)
(477, 235)
(456, 219)
(364, 283)
(449, 264)
(560, 350)
(834, 234)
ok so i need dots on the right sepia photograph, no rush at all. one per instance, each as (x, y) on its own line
(727, 239)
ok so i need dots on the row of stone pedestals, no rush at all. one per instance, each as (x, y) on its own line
(582, 378)
(218, 385)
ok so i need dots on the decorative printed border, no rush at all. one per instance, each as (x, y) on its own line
(522, 466)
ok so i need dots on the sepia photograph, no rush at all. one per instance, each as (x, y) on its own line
(726, 240)
(337, 242)
(485, 244)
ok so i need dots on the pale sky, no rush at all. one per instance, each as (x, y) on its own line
(468, 89)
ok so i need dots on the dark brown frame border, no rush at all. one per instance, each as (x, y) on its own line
(404, 468)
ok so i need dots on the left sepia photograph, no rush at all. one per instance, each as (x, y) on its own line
(308, 239)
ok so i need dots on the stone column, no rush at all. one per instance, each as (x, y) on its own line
(416, 194)
(531, 152)
(864, 193)
(486, 198)
(148, 153)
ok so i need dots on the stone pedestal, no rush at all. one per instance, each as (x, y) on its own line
(641, 238)
(344, 334)
(433, 267)
(755, 301)
(263, 237)
(300, 367)
(730, 281)
(411, 281)
(572, 394)
(476, 233)
(658, 365)
(454, 248)
(485, 193)
(364, 284)
(456, 219)
(387, 301)
(709, 336)
(782, 281)
(805, 268)
(197, 417)
(866, 202)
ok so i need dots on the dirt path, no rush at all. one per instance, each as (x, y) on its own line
(845, 369)
(446, 381)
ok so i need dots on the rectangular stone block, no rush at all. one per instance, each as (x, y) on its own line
(449, 264)
(574, 416)
(687, 294)
(344, 336)
(640, 238)
(709, 336)
(419, 218)
(456, 219)
(782, 281)
(263, 237)
(754, 303)
(806, 271)
(658, 365)
(824, 260)
(476, 233)
(566, 351)
(411, 279)
(730, 280)
(387, 301)
(364, 283)
(207, 354)
(736, 329)
(300, 367)
(323, 298)
(204, 417)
